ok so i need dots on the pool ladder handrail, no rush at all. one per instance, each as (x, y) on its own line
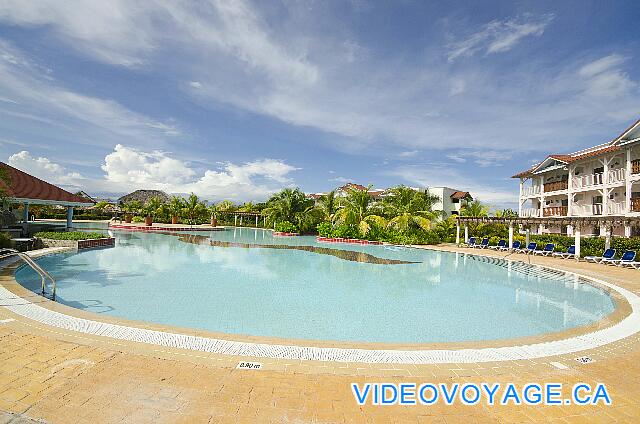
(37, 268)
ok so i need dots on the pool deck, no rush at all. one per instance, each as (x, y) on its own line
(62, 376)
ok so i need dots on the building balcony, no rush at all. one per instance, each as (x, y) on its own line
(530, 213)
(587, 180)
(531, 191)
(555, 211)
(616, 208)
(556, 186)
(635, 204)
(635, 166)
(586, 210)
(616, 176)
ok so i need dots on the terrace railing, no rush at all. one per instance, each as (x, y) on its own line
(555, 211)
(635, 166)
(44, 275)
(587, 180)
(586, 210)
(616, 175)
(530, 213)
(556, 186)
(616, 208)
(531, 190)
(635, 204)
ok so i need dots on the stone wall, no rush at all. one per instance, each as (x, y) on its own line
(76, 244)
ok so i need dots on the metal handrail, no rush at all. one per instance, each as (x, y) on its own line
(37, 268)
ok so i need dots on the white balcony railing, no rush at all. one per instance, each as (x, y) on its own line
(530, 213)
(616, 208)
(586, 210)
(617, 175)
(586, 180)
(531, 190)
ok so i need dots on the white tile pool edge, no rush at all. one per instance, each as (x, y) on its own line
(625, 328)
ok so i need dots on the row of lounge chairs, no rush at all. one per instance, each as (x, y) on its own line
(608, 257)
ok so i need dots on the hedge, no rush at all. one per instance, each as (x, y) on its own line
(69, 235)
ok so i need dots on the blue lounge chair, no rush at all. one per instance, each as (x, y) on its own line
(530, 248)
(571, 252)
(606, 256)
(471, 242)
(627, 257)
(500, 245)
(515, 246)
(483, 244)
(548, 250)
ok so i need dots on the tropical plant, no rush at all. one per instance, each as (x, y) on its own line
(285, 205)
(132, 208)
(193, 209)
(286, 227)
(153, 207)
(475, 208)
(175, 206)
(328, 204)
(409, 209)
(506, 213)
(247, 207)
(357, 210)
(100, 206)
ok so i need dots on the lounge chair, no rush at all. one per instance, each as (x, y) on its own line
(627, 257)
(500, 245)
(515, 246)
(471, 242)
(484, 244)
(548, 250)
(632, 264)
(571, 252)
(606, 256)
(530, 248)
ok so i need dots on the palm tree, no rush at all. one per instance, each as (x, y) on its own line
(193, 208)
(506, 213)
(409, 209)
(131, 208)
(475, 208)
(328, 204)
(284, 206)
(175, 207)
(357, 210)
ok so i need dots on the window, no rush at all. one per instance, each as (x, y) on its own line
(596, 200)
(598, 170)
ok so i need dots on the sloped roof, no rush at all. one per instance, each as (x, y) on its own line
(25, 186)
(143, 196)
(460, 195)
(352, 186)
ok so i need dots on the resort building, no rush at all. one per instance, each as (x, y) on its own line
(600, 181)
(451, 200)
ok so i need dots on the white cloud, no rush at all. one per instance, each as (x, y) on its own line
(127, 169)
(195, 84)
(44, 169)
(28, 83)
(499, 36)
(604, 77)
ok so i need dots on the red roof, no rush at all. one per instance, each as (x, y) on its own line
(25, 186)
(570, 158)
(460, 195)
(352, 186)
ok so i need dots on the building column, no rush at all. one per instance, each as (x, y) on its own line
(69, 216)
(627, 230)
(576, 232)
(520, 197)
(527, 233)
(607, 238)
(605, 187)
(570, 191)
(466, 233)
(569, 230)
(510, 235)
(235, 220)
(627, 194)
(458, 233)
(540, 228)
(25, 219)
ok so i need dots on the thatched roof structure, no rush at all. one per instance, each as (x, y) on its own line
(143, 196)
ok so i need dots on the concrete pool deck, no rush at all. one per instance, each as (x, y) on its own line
(66, 376)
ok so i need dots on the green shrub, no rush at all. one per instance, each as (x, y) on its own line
(325, 229)
(285, 227)
(137, 218)
(5, 240)
(346, 231)
(68, 235)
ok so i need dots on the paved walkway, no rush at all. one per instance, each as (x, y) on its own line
(65, 377)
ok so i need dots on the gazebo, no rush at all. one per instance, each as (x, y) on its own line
(29, 190)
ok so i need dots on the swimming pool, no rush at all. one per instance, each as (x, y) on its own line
(245, 281)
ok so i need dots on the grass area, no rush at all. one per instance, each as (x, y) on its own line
(69, 235)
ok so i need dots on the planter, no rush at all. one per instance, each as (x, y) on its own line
(127, 219)
(214, 222)
(148, 221)
(174, 219)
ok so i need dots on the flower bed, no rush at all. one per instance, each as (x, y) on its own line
(345, 240)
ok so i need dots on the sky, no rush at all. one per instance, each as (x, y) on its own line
(237, 99)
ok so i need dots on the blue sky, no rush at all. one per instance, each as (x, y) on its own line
(233, 100)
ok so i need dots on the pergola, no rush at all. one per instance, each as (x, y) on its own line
(577, 223)
(243, 215)
(29, 190)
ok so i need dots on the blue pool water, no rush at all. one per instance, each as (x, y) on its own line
(241, 289)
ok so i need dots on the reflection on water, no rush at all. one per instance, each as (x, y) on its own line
(246, 281)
